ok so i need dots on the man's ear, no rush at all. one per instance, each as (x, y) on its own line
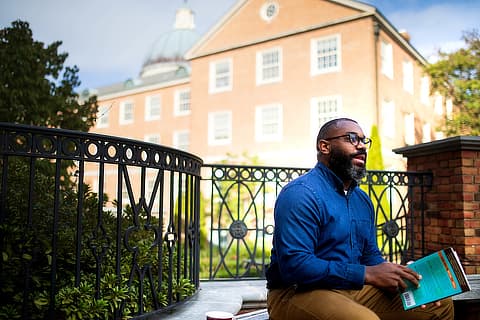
(323, 147)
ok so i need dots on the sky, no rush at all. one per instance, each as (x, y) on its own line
(108, 40)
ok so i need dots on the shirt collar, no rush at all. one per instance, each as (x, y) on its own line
(333, 179)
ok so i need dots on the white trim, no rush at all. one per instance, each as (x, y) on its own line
(176, 139)
(388, 128)
(152, 138)
(141, 89)
(121, 114)
(260, 66)
(103, 117)
(148, 107)
(314, 68)
(408, 78)
(176, 104)
(260, 135)
(212, 127)
(315, 120)
(386, 57)
(212, 78)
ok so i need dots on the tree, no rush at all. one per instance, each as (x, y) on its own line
(456, 76)
(35, 87)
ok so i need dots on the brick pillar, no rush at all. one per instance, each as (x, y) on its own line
(453, 204)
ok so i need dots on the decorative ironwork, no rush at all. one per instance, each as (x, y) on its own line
(96, 207)
(241, 214)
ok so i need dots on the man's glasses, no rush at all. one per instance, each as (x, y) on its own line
(354, 139)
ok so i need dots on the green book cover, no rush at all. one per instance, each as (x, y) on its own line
(442, 276)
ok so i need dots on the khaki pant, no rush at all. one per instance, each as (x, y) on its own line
(369, 303)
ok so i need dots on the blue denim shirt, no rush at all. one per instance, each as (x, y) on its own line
(323, 237)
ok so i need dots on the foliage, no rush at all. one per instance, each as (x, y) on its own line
(375, 159)
(35, 87)
(28, 255)
(456, 76)
(234, 200)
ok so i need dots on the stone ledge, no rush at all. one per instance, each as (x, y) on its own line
(229, 296)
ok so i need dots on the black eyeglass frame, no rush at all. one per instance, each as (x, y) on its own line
(354, 139)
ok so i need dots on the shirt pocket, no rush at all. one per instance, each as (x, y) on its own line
(360, 233)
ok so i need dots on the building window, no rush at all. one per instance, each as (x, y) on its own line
(182, 102)
(152, 138)
(407, 68)
(325, 55)
(388, 118)
(426, 133)
(153, 108)
(126, 112)
(425, 90)
(269, 11)
(220, 128)
(269, 66)
(220, 76)
(449, 108)
(438, 104)
(323, 109)
(149, 188)
(181, 140)
(409, 129)
(102, 116)
(269, 123)
(387, 59)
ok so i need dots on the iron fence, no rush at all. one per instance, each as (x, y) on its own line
(92, 223)
(239, 207)
(69, 248)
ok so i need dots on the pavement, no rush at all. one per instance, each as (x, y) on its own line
(229, 296)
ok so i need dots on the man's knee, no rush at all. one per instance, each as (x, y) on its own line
(318, 305)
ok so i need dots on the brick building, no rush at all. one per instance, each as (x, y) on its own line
(262, 81)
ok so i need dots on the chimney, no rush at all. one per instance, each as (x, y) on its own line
(405, 35)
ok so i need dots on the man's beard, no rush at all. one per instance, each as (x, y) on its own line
(341, 164)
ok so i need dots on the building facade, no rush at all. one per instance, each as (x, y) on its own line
(263, 80)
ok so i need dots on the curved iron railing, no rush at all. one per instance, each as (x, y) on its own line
(240, 207)
(86, 216)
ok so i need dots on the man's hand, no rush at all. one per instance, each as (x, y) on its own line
(390, 276)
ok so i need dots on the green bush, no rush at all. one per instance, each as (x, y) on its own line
(27, 234)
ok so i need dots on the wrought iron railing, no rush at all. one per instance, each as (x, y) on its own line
(108, 223)
(95, 224)
(240, 200)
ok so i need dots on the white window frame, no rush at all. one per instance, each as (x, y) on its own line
(409, 125)
(219, 121)
(123, 118)
(263, 122)
(315, 69)
(103, 116)
(180, 102)
(438, 104)
(262, 67)
(425, 90)
(179, 140)
(407, 68)
(388, 119)
(426, 132)
(386, 53)
(214, 76)
(152, 138)
(449, 108)
(319, 117)
(150, 108)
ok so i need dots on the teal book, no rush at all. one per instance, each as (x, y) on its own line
(442, 276)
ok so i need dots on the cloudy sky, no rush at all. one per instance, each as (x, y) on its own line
(109, 39)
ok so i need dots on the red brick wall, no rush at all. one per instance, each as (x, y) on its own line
(452, 215)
